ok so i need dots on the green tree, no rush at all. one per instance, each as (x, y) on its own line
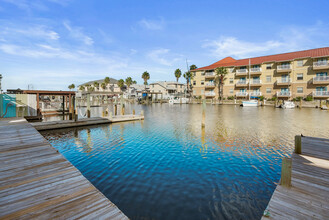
(220, 73)
(107, 80)
(121, 84)
(103, 85)
(145, 77)
(72, 86)
(193, 67)
(82, 88)
(188, 76)
(129, 82)
(178, 74)
(134, 82)
(96, 84)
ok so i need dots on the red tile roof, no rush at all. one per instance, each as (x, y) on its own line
(229, 61)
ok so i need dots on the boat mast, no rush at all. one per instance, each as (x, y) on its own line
(249, 78)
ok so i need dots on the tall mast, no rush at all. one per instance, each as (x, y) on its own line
(249, 78)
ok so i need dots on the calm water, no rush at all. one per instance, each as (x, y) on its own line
(167, 167)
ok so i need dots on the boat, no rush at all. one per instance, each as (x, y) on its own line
(250, 103)
(288, 104)
(176, 100)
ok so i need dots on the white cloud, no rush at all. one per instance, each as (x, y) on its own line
(76, 32)
(287, 40)
(29, 5)
(162, 56)
(133, 51)
(36, 31)
(152, 24)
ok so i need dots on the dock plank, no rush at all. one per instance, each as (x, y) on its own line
(37, 182)
(308, 196)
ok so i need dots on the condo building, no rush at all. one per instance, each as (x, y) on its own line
(285, 76)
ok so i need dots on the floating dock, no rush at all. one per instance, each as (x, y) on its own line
(48, 125)
(307, 197)
(37, 182)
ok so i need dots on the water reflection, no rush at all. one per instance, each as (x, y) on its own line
(169, 167)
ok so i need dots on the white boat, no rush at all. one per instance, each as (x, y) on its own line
(250, 103)
(176, 100)
(288, 104)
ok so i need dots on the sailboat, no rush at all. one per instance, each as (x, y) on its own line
(250, 103)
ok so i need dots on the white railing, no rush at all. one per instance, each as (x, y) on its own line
(283, 93)
(210, 74)
(321, 63)
(241, 71)
(255, 70)
(320, 93)
(255, 94)
(210, 94)
(284, 80)
(256, 81)
(210, 84)
(320, 78)
(241, 94)
(242, 82)
(284, 67)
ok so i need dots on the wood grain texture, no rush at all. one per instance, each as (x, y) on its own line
(308, 196)
(37, 182)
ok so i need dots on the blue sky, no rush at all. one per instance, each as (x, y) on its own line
(53, 43)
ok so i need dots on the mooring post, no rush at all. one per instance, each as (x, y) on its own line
(286, 172)
(110, 115)
(123, 109)
(142, 113)
(134, 112)
(298, 144)
(203, 123)
(115, 109)
(88, 105)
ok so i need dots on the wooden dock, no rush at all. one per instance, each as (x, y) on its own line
(49, 125)
(308, 195)
(37, 182)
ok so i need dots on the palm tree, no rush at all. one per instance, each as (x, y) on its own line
(96, 84)
(81, 88)
(121, 84)
(106, 81)
(220, 73)
(72, 86)
(188, 76)
(134, 82)
(178, 74)
(145, 76)
(129, 82)
(193, 67)
(103, 85)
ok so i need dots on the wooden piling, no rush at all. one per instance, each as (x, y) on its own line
(123, 109)
(88, 105)
(142, 113)
(298, 144)
(203, 122)
(115, 109)
(286, 172)
(110, 115)
(134, 112)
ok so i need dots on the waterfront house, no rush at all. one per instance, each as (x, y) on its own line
(168, 89)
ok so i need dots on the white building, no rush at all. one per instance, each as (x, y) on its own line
(168, 88)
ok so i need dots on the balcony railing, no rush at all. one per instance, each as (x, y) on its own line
(283, 93)
(321, 63)
(241, 94)
(283, 80)
(241, 71)
(320, 78)
(320, 93)
(255, 94)
(210, 74)
(210, 94)
(242, 82)
(210, 84)
(255, 70)
(253, 82)
(284, 67)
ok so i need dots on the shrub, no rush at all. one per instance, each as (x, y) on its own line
(309, 98)
(230, 98)
(261, 98)
(298, 98)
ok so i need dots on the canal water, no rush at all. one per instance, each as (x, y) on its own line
(168, 167)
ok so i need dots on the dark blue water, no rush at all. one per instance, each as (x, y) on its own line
(167, 167)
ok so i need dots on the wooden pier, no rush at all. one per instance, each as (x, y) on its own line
(37, 182)
(307, 197)
(48, 125)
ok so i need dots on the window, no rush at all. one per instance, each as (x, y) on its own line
(202, 82)
(202, 91)
(231, 91)
(300, 62)
(203, 73)
(231, 81)
(194, 73)
(159, 90)
(268, 90)
(299, 89)
(231, 70)
(194, 83)
(299, 76)
(268, 78)
(268, 66)
(194, 92)
(180, 86)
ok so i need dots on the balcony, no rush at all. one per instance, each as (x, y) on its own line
(255, 71)
(241, 94)
(321, 94)
(241, 83)
(283, 68)
(283, 94)
(241, 72)
(320, 65)
(210, 85)
(255, 93)
(318, 80)
(256, 83)
(283, 82)
(209, 75)
(210, 94)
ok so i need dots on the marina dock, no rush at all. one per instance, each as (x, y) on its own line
(307, 197)
(37, 182)
(48, 125)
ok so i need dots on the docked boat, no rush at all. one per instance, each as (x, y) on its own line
(250, 103)
(288, 104)
(176, 100)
